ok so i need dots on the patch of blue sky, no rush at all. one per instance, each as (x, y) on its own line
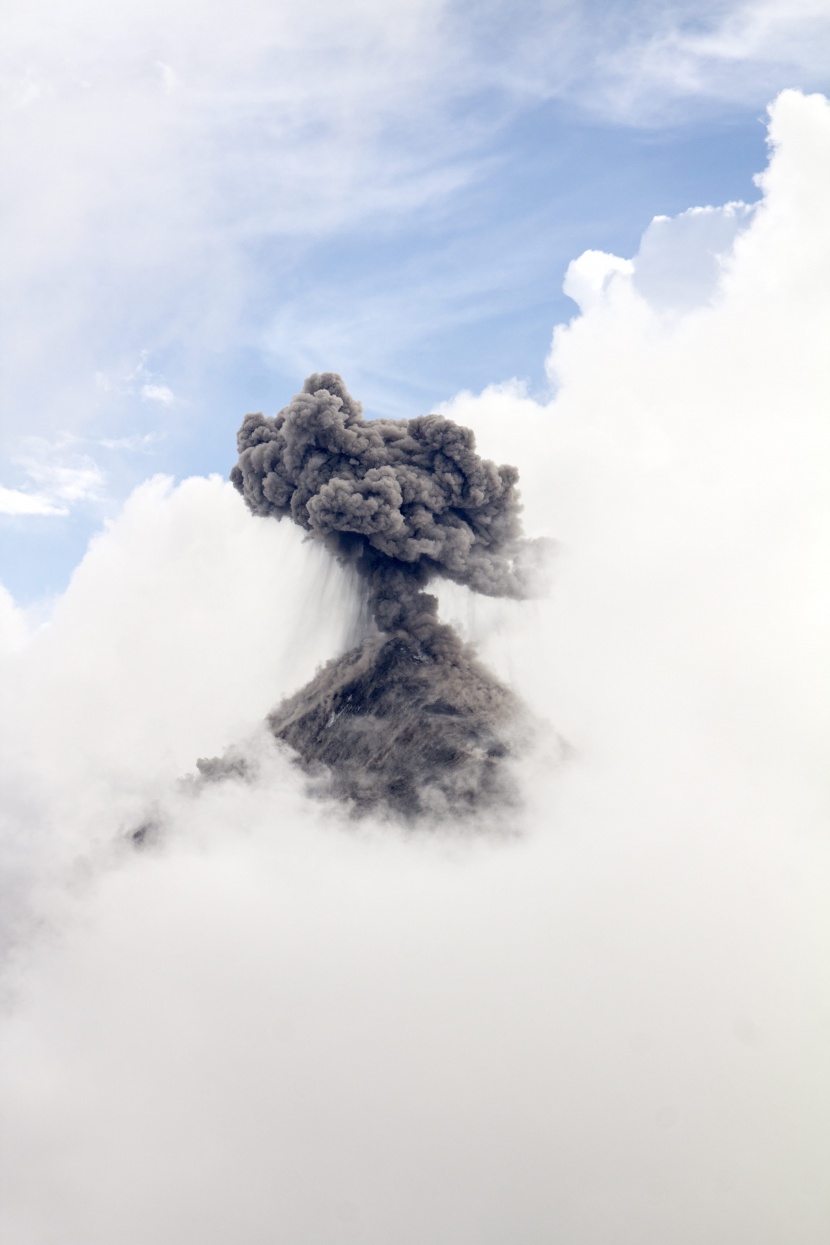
(410, 306)
(397, 201)
(411, 309)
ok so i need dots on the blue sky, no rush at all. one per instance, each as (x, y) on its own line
(202, 207)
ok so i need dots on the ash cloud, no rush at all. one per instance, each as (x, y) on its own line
(409, 720)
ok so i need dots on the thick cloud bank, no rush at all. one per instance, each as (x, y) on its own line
(279, 1026)
(409, 720)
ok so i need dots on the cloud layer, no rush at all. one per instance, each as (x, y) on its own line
(611, 1028)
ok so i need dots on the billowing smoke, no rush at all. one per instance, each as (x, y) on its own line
(409, 720)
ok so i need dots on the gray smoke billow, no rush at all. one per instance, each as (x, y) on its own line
(409, 721)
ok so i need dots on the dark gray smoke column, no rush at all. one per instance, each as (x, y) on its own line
(409, 721)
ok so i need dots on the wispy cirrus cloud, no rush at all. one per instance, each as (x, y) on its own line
(681, 57)
(182, 143)
(139, 380)
(173, 177)
(18, 502)
(56, 477)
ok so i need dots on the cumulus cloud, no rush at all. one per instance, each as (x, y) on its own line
(14, 630)
(611, 1028)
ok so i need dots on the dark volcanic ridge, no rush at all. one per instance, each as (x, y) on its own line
(413, 727)
(409, 723)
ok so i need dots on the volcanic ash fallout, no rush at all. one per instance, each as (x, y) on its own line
(409, 722)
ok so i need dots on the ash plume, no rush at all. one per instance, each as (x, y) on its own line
(409, 721)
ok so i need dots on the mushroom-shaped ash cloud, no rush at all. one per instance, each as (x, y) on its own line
(409, 721)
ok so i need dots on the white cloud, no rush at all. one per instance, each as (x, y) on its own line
(140, 380)
(279, 1028)
(70, 481)
(680, 260)
(58, 478)
(17, 502)
(669, 57)
(587, 277)
(679, 266)
(757, 33)
(16, 626)
(136, 444)
(158, 393)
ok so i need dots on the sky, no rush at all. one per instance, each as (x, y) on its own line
(199, 210)
(595, 234)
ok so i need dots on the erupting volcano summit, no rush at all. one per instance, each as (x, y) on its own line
(409, 721)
